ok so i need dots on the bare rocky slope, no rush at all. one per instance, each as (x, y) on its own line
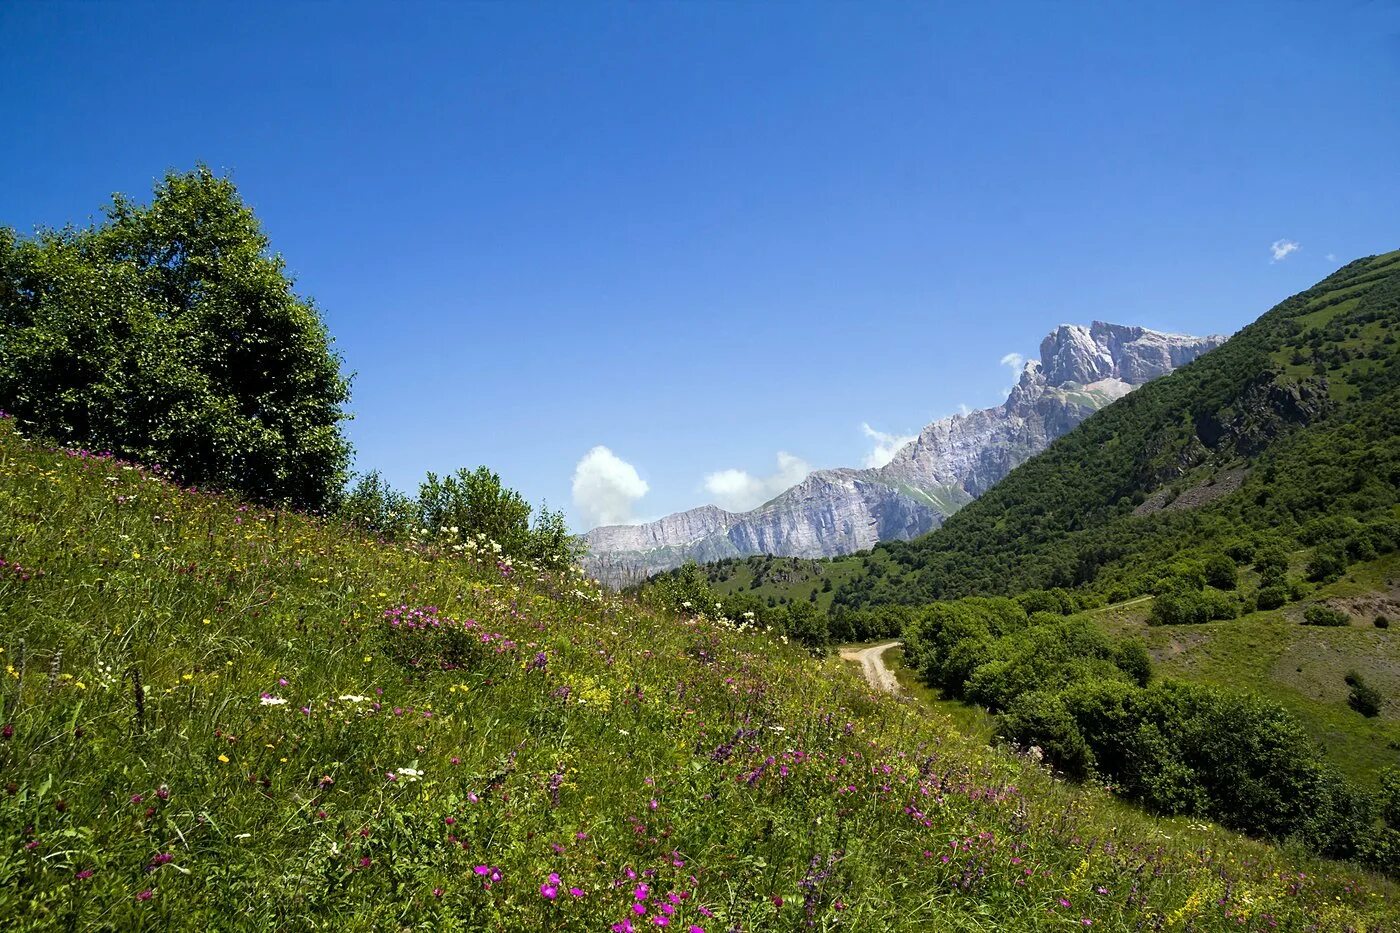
(952, 461)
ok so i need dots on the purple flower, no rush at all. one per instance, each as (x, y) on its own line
(550, 889)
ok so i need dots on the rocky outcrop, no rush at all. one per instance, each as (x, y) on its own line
(951, 462)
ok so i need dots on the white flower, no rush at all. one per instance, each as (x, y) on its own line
(353, 698)
(273, 701)
(409, 774)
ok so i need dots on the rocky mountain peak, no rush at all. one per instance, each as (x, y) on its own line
(1073, 353)
(951, 462)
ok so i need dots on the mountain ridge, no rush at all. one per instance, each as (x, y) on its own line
(952, 461)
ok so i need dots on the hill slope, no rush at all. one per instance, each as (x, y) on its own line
(219, 716)
(951, 462)
(1295, 418)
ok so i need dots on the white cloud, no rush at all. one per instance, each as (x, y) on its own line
(1015, 362)
(963, 409)
(1281, 249)
(886, 445)
(606, 487)
(1331, 257)
(739, 490)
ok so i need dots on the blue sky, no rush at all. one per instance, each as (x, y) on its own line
(704, 235)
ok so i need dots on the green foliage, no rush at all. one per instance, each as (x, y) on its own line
(1220, 572)
(1327, 562)
(1271, 597)
(1183, 604)
(1039, 719)
(375, 506)
(1089, 704)
(475, 502)
(170, 333)
(1390, 797)
(1320, 614)
(1363, 697)
(212, 722)
(1322, 457)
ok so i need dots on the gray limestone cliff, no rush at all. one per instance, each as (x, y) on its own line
(951, 462)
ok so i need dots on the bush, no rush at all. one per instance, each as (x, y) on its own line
(1327, 562)
(1185, 606)
(1363, 697)
(170, 334)
(1382, 622)
(1319, 614)
(1221, 572)
(1271, 597)
(476, 504)
(1039, 718)
(1390, 797)
(375, 506)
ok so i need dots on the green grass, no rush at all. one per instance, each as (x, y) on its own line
(154, 777)
(1300, 666)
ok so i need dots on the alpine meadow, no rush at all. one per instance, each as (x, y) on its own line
(590, 467)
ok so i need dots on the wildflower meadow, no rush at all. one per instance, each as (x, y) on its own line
(221, 716)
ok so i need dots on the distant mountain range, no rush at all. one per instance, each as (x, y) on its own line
(952, 461)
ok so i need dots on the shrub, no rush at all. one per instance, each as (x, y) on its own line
(1131, 658)
(1390, 797)
(1327, 562)
(1363, 697)
(1271, 597)
(1382, 622)
(1320, 614)
(375, 506)
(1039, 718)
(1185, 606)
(1221, 572)
(475, 503)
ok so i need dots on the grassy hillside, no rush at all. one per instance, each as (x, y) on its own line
(1303, 667)
(1295, 419)
(219, 716)
(784, 579)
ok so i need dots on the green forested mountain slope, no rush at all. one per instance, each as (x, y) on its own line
(1289, 434)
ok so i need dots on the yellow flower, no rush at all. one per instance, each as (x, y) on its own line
(224, 759)
(206, 621)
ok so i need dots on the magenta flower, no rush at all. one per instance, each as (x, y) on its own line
(550, 889)
(146, 895)
(576, 892)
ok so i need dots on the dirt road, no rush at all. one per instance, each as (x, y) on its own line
(872, 665)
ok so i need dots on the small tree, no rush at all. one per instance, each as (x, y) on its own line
(1363, 697)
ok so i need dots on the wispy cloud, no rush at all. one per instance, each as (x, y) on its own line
(739, 490)
(1281, 248)
(886, 445)
(606, 487)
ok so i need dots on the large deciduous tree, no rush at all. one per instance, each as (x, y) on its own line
(170, 333)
